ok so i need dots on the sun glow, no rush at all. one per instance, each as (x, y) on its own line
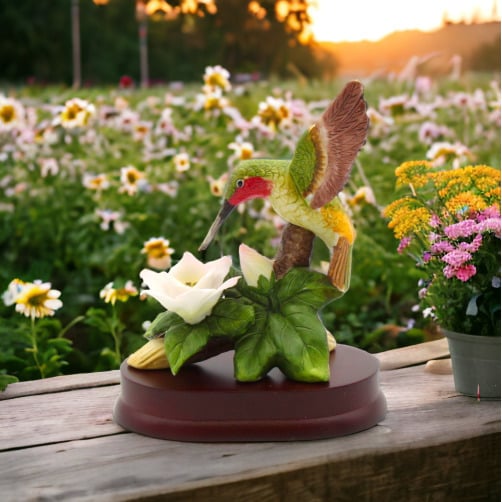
(334, 20)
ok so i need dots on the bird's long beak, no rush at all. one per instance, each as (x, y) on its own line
(222, 215)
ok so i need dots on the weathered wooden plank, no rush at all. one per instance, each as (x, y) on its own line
(87, 413)
(83, 413)
(412, 355)
(60, 416)
(428, 425)
(383, 463)
(61, 383)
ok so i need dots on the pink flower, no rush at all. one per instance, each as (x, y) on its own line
(471, 247)
(403, 244)
(461, 229)
(435, 221)
(490, 225)
(456, 258)
(490, 212)
(466, 272)
(442, 247)
(463, 273)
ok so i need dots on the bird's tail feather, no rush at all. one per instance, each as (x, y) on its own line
(340, 265)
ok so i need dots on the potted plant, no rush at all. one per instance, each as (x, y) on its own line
(449, 223)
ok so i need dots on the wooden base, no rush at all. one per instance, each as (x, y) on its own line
(204, 402)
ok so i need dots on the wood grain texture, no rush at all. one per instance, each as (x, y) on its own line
(61, 416)
(434, 444)
(61, 383)
(414, 354)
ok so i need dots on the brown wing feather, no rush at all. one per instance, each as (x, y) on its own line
(342, 129)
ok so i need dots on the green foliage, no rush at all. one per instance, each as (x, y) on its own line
(287, 331)
(50, 227)
(29, 351)
(183, 341)
(273, 324)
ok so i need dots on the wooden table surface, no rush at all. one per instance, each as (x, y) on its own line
(58, 441)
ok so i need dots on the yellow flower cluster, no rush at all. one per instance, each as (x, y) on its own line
(473, 188)
(414, 172)
(473, 178)
(408, 217)
(465, 200)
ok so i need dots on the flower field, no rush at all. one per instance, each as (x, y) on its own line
(99, 184)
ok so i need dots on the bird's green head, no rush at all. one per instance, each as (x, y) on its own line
(249, 180)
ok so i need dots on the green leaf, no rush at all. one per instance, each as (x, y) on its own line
(300, 338)
(62, 345)
(295, 341)
(255, 352)
(302, 285)
(182, 341)
(229, 318)
(265, 285)
(255, 295)
(161, 324)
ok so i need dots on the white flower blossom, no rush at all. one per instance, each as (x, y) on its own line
(191, 288)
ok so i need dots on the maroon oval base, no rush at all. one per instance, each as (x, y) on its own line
(205, 403)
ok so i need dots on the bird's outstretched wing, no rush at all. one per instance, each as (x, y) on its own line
(324, 156)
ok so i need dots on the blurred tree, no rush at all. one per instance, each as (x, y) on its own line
(486, 57)
(261, 36)
(267, 36)
(109, 40)
(35, 41)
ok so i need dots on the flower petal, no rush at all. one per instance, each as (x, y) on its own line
(193, 307)
(215, 271)
(254, 265)
(188, 270)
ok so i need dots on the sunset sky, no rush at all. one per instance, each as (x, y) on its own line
(350, 20)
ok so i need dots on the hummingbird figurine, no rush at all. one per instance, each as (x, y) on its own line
(304, 190)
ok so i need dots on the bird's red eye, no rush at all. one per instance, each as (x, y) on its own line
(239, 183)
